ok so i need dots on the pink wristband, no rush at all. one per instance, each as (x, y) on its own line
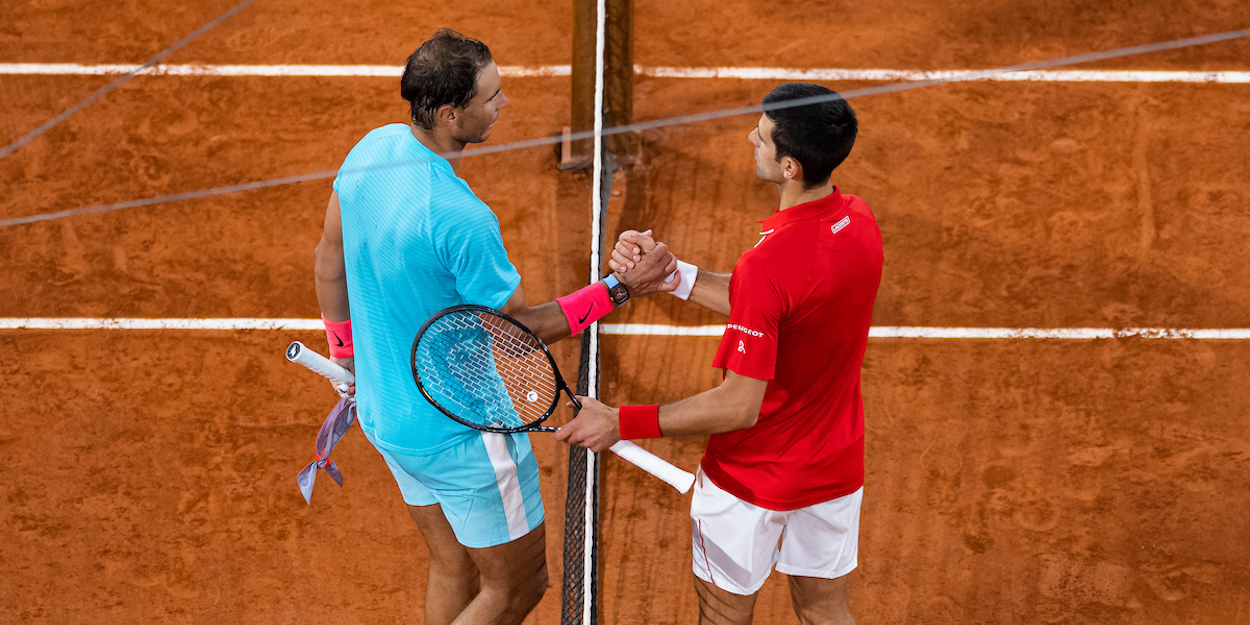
(339, 336)
(639, 422)
(585, 306)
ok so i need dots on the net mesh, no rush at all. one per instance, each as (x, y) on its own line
(574, 594)
(580, 591)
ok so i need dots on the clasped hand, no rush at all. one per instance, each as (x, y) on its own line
(644, 265)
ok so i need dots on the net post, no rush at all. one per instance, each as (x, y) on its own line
(619, 79)
(618, 100)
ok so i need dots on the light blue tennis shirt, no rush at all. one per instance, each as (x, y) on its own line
(416, 240)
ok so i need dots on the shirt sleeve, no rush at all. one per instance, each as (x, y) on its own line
(471, 248)
(749, 345)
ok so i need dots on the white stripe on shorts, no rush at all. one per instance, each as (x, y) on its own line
(509, 484)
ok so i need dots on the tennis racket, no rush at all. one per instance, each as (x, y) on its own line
(488, 371)
(336, 423)
(299, 354)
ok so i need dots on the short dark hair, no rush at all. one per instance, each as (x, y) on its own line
(819, 135)
(443, 70)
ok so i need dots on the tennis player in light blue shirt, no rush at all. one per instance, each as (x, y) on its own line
(416, 240)
(404, 238)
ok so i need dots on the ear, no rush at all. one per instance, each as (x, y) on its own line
(791, 168)
(445, 115)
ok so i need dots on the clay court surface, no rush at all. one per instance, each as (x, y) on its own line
(149, 476)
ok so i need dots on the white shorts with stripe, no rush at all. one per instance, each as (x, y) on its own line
(487, 486)
(737, 544)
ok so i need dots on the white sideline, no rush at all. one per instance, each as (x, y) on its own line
(740, 73)
(641, 329)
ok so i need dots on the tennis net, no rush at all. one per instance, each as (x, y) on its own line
(580, 589)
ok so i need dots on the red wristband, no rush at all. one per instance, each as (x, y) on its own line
(339, 336)
(640, 422)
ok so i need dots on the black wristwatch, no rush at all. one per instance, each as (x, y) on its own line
(616, 290)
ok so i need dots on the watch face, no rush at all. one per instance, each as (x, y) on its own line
(619, 294)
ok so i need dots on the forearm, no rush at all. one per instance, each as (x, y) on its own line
(734, 405)
(545, 320)
(711, 291)
(331, 281)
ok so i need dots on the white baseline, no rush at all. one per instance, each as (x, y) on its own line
(640, 329)
(738, 73)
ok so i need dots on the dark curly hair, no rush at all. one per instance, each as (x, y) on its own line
(442, 71)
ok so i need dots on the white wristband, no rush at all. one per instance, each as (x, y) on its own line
(688, 275)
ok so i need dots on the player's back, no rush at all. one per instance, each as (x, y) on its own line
(839, 264)
(413, 235)
(806, 293)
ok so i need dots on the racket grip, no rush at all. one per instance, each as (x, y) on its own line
(653, 464)
(299, 354)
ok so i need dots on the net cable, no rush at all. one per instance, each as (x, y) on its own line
(649, 125)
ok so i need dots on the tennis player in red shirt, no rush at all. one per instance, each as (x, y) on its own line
(782, 479)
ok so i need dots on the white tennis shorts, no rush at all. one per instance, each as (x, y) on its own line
(737, 544)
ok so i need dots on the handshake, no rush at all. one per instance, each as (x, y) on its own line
(647, 266)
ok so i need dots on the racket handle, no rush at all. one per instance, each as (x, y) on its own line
(299, 354)
(653, 464)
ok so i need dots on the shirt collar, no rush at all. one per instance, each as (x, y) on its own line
(808, 210)
(426, 154)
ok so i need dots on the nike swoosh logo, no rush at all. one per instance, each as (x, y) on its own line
(336, 337)
(585, 316)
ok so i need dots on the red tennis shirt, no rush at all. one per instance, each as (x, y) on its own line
(800, 308)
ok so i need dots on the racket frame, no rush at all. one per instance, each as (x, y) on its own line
(533, 426)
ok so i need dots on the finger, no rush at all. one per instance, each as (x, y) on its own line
(627, 252)
(638, 239)
(622, 260)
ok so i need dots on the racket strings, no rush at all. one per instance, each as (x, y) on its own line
(486, 370)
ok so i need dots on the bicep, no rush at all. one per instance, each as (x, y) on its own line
(331, 268)
(330, 248)
(515, 306)
(746, 392)
(332, 229)
(745, 389)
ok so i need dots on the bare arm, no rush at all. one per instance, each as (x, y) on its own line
(331, 274)
(734, 405)
(546, 320)
(331, 269)
(711, 291)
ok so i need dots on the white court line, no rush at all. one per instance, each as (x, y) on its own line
(925, 332)
(642, 329)
(363, 71)
(82, 323)
(894, 75)
(739, 73)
